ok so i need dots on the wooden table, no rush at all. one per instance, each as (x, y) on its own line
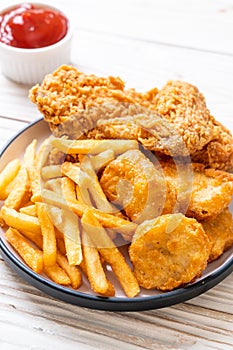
(146, 43)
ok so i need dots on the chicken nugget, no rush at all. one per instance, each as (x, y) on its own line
(210, 190)
(218, 153)
(132, 181)
(220, 232)
(169, 251)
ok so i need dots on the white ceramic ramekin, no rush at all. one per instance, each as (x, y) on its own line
(29, 66)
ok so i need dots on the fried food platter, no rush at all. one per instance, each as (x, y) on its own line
(214, 273)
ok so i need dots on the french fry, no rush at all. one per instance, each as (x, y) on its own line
(102, 159)
(55, 199)
(29, 158)
(110, 253)
(55, 215)
(33, 169)
(33, 257)
(68, 192)
(54, 185)
(126, 228)
(60, 242)
(81, 179)
(51, 172)
(43, 153)
(2, 222)
(29, 210)
(57, 274)
(20, 221)
(94, 187)
(80, 195)
(118, 224)
(83, 267)
(72, 239)
(9, 188)
(34, 237)
(72, 271)
(95, 272)
(20, 192)
(35, 181)
(27, 204)
(68, 226)
(48, 233)
(93, 146)
(68, 189)
(7, 176)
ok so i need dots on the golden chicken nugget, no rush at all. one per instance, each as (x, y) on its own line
(220, 231)
(218, 153)
(133, 182)
(169, 251)
(210, 190)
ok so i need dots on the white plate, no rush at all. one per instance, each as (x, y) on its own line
(147, 299)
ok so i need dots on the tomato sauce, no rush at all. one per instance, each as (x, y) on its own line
(29, 26)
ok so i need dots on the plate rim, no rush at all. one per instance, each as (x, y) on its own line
(93, 301)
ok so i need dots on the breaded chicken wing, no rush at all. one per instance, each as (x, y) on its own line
(220, 232)
(67, 91)
(184, 107)
(169, 252)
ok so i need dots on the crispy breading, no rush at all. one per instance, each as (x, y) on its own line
(169, 252)
(185, 108)
(133, 182)
(220, 232)
(210, 190)
(207, 140)
(218, 153)
(190, 188)
(73, 103)
(150, 129)
(68, 91)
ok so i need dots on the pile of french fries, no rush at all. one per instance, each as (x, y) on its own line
(58, 219)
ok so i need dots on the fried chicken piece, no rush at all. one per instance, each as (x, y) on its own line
(73, 103)
(220, 232)
(133, 182)
(202, 193)
(218, 153)
(169, 251)
(152, 131)
(67, 91)
(185, 108)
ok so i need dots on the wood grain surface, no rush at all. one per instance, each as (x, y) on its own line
(146, 43)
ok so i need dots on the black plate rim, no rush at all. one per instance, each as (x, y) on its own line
(109, 303)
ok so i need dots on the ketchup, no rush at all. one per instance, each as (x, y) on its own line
(28, 26)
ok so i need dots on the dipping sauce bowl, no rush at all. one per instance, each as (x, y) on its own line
(35, 39)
